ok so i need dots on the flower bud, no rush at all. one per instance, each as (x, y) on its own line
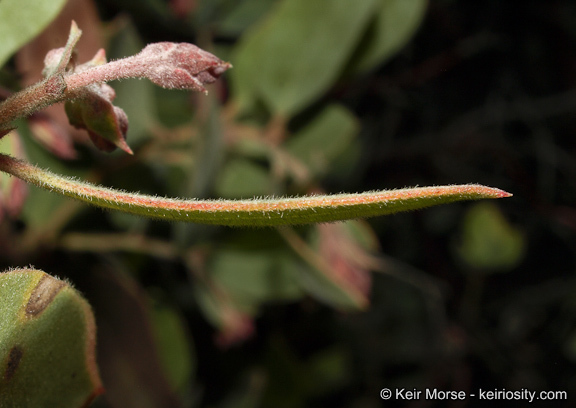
(179, 66)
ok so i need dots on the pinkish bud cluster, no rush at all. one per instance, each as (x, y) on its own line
(170, 65)
(89, 99)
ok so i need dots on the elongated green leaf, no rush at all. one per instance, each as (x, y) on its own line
(298, 52)
(47, 342)
(22, 20)
(256, 212)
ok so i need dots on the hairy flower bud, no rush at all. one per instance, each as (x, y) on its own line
(170, 65)
(179, 66)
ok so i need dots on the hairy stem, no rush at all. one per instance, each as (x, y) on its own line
(32, 99)
(255, 212)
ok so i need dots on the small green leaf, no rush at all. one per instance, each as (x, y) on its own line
(22, 20)
(255, 212)
(253, 277)
(298, 52)
(322, 141)
(47, 343)
(489, 242)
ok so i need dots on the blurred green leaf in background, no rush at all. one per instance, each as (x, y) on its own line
(22, 20)
(301, 49)
(489, 243)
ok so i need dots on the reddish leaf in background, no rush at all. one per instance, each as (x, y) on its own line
(349, 262)
(236, 327)
(52, 135)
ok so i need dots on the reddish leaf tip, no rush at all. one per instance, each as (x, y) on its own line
(496, 192)
(124, 146)
(480, 191)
